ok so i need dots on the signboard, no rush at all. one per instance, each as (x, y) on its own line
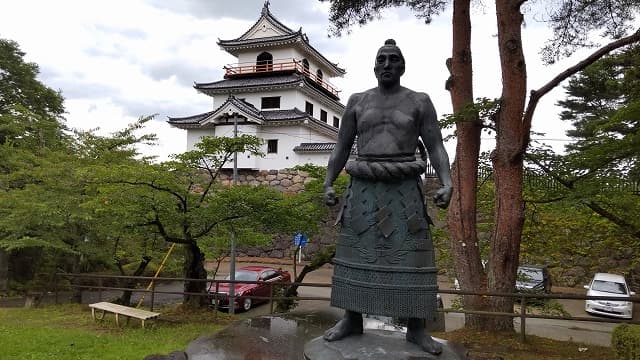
(300, 239)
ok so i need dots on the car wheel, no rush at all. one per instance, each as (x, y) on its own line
(246, 304)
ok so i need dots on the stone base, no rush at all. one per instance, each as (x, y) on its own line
(377, 345)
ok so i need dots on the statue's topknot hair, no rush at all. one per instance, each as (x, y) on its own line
(390, 43)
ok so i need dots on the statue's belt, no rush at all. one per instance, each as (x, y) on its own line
(385, 169)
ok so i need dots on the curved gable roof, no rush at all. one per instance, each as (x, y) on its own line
(232, 105)
(266, 20)
(247, 111)
(269, 31)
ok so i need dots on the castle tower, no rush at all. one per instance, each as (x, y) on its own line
(279, 91)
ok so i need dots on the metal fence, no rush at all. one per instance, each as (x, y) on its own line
(96, 283)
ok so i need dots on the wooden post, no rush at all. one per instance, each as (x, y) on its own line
(523, 316)
(270, 298)
(153, 294)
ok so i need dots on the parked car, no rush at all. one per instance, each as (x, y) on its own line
(529, 278)
(264, 275)
(604, 284)
(533, 278)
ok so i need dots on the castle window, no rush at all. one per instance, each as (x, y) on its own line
(336, 121)
(270, 102)
(319, 76)
(305, 67)
(323, 115)
(272, 146)
(308, 108)
(264, 62)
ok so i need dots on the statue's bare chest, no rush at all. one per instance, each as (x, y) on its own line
(387, 127)
(379, 120)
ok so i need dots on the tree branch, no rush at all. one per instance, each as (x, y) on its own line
(206, 230)
(545, 201)
(535, 95)
(626, 226)
(548, 171)
(182, 200)
(163, 232)
(213, 175)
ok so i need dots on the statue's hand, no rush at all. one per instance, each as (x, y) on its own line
(330, 196)
(443, 196)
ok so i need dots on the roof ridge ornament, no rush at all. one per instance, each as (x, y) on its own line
(265, 8)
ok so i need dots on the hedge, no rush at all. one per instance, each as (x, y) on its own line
(625, 340)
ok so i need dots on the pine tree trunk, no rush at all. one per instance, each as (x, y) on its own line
(507, 163)
(462, 209)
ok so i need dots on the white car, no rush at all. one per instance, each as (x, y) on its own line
(604, 284)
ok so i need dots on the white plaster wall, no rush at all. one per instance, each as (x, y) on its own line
(301, 99)
(263, 29)
(289, 99)
(245, 160)
(194, 136)
(288, 137)
(285, 54)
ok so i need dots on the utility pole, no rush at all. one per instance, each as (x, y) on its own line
(232, 260)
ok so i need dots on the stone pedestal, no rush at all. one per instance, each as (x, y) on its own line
(377, 345)
(298, 334)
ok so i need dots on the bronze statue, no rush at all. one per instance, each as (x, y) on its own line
(384, 263)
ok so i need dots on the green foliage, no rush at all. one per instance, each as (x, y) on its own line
(30, 112)
(483, 111)
(553, 308)
(603, 105)
(625, 341)
(69, 332)
(345, 13)
(600, 170)
(50, 222)
(574, 24)
(212, 153)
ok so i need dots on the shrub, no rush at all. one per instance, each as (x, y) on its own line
(625, 340)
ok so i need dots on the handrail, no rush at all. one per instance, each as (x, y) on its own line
(284, 65)
(524, 297)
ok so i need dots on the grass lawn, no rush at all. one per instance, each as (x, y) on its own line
(69, 332)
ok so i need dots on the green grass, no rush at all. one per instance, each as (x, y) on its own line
(69, 332)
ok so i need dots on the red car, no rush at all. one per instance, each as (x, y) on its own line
(264, 275)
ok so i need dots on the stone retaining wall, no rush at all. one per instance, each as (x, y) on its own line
(288, 181)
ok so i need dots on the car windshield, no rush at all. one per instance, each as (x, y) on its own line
(244, 275)
(527, 275)
(609, 286)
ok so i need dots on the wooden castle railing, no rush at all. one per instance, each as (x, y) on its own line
(278, 65)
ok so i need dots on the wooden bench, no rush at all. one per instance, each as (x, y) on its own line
(129, 312)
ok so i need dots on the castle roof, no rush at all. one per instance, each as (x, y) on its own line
(290, 80)
(248, 113)
(269, 32)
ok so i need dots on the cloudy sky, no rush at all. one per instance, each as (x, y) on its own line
(117, 60)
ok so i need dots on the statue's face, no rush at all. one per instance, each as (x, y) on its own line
(389, 66)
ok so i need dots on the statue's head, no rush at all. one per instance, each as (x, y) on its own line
(389, 66)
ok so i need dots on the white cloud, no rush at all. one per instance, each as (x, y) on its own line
(118, 60)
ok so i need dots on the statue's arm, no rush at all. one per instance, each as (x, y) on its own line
(438, 157)
(340, 154)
